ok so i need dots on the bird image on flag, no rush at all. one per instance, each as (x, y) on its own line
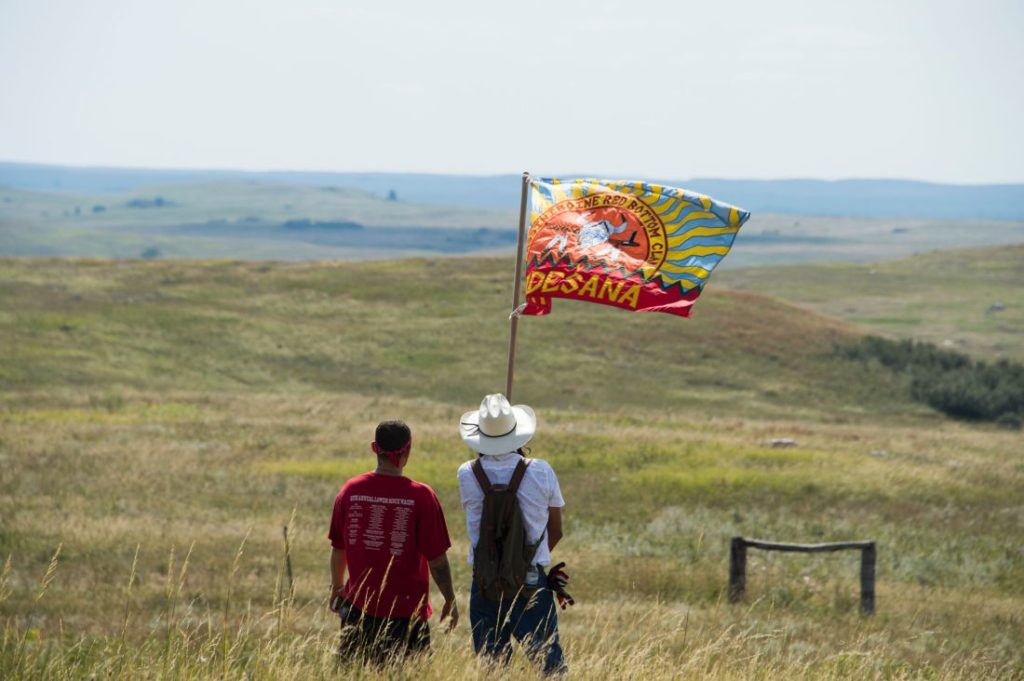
(633, 245)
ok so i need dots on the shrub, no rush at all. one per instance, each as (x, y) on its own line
(157, 202)
(1010, 421)
(950, 381)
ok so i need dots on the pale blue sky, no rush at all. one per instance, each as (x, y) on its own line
(922, 90)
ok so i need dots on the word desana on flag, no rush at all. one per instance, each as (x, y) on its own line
(634, 245)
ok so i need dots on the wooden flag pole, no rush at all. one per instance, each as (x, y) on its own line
(514, 317)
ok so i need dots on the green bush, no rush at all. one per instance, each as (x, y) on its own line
(1011, 421)
(901, 355)
(950, 381)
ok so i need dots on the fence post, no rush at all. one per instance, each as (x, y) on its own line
(737, 569)
(868, 560)
(867, 579)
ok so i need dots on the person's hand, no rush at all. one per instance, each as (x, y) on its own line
(557, 577)
(557, 581)
(450, 612)
(336, 599)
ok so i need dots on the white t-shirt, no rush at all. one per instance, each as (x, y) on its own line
(537, 492)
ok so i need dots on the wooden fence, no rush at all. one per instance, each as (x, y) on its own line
(738, 564)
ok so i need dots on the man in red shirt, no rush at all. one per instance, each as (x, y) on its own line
(387, 532)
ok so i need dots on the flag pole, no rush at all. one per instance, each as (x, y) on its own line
(514, 316)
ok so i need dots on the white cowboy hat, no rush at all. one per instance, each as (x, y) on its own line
(497, 427)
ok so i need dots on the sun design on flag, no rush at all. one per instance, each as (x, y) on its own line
(605, 235)
(647, 231)
(603, 228)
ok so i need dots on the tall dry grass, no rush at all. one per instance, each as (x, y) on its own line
(160, 423)
(143, 539)
(612, 639)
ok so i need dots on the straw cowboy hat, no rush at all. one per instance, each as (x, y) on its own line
(497, 427)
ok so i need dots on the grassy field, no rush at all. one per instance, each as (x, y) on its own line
(970, 301)
(161, 421)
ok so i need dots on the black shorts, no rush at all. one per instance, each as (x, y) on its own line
(380, 640)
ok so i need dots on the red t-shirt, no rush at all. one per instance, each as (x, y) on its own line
(388, 525)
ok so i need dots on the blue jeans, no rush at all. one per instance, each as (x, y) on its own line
(532, 620)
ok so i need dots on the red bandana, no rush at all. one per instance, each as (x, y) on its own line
(394, 455)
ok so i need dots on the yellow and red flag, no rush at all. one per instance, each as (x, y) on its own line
(634, 245)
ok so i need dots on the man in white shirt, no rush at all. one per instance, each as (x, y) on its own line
(497, 432)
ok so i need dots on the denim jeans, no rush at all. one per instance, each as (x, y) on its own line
(532, 620)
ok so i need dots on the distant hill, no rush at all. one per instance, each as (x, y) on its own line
(245, 220)
(853, 198)
(269, 220)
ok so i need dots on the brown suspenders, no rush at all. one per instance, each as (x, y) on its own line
(513, 484)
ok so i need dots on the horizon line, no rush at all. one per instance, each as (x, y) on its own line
(517, 174)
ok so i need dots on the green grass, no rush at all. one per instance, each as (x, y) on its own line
(942, 297)
(435, 329)
(177, 409)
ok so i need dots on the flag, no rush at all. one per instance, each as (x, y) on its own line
(634, 245)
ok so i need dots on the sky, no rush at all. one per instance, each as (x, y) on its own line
(642, 89)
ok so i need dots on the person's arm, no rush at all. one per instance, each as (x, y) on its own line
(442, 574)
(441, 571)
(554, 526)
(337, 575)
(472, 498)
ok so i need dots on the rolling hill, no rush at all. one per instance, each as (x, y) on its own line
(161, 420)
(435, 329)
